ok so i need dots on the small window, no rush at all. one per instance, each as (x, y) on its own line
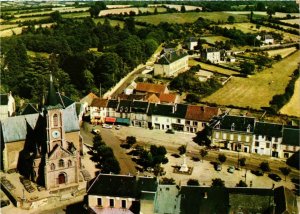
(156, 119)
(69, 163)
(195, 123)
(124, 204)
(111, 202)
(217, 135)
(55, 120)
(99, 201)
(61, 163)
(256, 137)
(232, 127)
(178, 120)
(269, 138)
(52, 167)
(276, 139)
(274, 146)
(256, 143)
(267, 145)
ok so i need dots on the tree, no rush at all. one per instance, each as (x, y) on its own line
(217, 182)
(168, 181)
(260, 6)
(242, 161)
(111, 165)
(97, 142)
(130, 140)
(230, 19)
(157, 170)
(88, 81)
(247, 68)
(285, 171)
(193, 182)
(251, 15)
(278, 57)
(182, 9)
(203, 153)
(96, 8)
(222, 158)
(202, 137)
(294, 160)
(271, 11)
(155, 10)
(150, 46)
(182, 149)
(192, 98)
(264, 166)
(130, 25)
(241, 184)
(56, 16)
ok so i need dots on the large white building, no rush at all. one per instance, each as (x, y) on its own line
(169, 64)
(212, 54)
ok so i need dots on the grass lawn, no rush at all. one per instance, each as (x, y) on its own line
(250, 28)
(213, 39)
(112, 22)
(257, 90)
(188, 17)
(75, 15)
(212, 68)
(283, 52)
(292, 107)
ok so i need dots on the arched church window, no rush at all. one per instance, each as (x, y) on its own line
(61, 163)
(69, 163)
(55, 120)
(52, 166)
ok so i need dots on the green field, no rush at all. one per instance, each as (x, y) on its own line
(292, 107)
(213, 39)
(112, 22)
(213, 68)
(257, 90)
(251, 28)
(181, 18)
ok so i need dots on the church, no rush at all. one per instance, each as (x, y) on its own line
(44, 145)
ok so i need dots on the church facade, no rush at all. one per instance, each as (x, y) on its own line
(44, 146)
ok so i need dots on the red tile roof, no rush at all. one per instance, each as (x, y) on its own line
(201, 113)
(97, 102)
(168, 98)
(150, 87)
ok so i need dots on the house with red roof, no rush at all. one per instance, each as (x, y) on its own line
(197, 117)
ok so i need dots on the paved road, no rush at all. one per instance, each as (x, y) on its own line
(126, 164)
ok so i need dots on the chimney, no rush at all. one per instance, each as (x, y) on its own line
(205, 195)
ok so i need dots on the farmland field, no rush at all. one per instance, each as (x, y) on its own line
(213, 68)
(291, 21)
(178, 7)
(283, 52)
(277, 14)
(75, 15)
(258, 90)
(213, 39)
(18, 30)
(292, 107)
(188, 17)
(112, 22)
(250, 28)
(3, 27)
(129, 9)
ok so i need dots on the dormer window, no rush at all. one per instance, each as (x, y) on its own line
(126, 109)
(232, 127)
(121, 109)
(248, 128)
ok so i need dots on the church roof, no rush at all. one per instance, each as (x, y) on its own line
(29, 109)
(14, 128)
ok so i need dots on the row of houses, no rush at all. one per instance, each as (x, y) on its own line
(245, 134)
(237, 133)
(180, 117)
(133, 194)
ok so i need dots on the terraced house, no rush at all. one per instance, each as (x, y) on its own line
(267, 138)
(290, 141)
(234, 133)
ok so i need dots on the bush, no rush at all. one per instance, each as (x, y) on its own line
(241, 184)
(167, 181)
(217, 182)
(242, 161)
(182, 149)
(193, 182)
(222, 158)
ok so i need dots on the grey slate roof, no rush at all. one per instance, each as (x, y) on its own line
(124, 106)
(29, 109)
(291, 136)
(139, 106)
(120, 186)
(268, 129)
(240, 123)
(112, 104)
(170, 57)
(14, 128)
(167, 110)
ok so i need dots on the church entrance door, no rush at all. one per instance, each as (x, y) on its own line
(61, 178)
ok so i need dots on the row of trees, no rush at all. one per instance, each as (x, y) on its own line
(104, 156)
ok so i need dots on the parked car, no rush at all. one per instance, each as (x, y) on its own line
(118, 127)
(257, 172)
(274, 177)
(170, 131)
(231, 169)
(96, 131)
(218, 167)
(106, 126)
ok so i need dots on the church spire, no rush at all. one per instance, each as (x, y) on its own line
(51, 98)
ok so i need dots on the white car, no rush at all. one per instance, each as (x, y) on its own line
(96, 131)
(106, 126)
